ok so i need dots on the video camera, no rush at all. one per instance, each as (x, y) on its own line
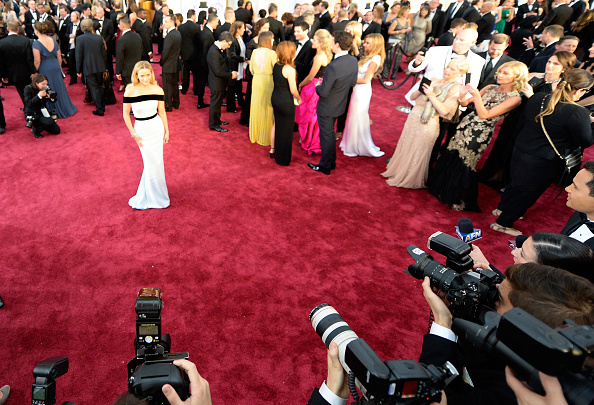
(469, 292)
(45, 373)
(528, 345)
(391, 382)
(153, 365)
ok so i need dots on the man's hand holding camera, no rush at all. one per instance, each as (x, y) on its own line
(199, 388)
(337, 380)
(442, 314)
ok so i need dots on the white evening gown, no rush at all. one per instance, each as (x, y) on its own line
(356, 138)
(152, 190)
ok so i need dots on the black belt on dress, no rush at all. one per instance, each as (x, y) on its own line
(147, 118)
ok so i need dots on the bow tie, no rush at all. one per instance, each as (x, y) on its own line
(299, 44)
(585, 221)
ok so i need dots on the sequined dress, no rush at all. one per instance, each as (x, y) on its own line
(454, 180)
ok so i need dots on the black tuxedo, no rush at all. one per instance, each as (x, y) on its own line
(471, 14)
(485, 27)
(437, 23)
(325, 21)
(16, 62)
(459, 13)
(157, 34)
(559, 15)
(303, 60)
(30, 19)
(108, 34)
(63, 34)
(241, 14)
(372, 28)
(128, 53)
(339, 77)
(338, 26)
(190, 53)
(145, 35)
(575, 221)
(206, 42)
(529, 56)
(72, 51)
(517, 46)
(169, 59)
(316, 26)
(90, 61)
(221, 28)
(446, 39)
(218, 79)
(488, 72)
(317, 399)
(523, 9)
(276, 27)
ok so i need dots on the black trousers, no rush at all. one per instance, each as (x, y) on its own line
(45, 124)
(234, 89)
(20, 88)
(126, 80)
(342, 119)
(187, 67)
(245, 110)
(171, 90)
(327, 142)
(530, 178)
(202, 80)
(72, 66)
(95, 85)
(214, 111)
(2, 119)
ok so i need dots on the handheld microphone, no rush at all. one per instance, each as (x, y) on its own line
(466, 231)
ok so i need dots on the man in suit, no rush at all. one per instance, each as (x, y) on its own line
(162, 10)
(548, 40)
(142, 28)
(341, 22)
(107, 30)
(340, 76)
(455, 10)
(63, 21)
(485, 23)
(229, 19)
(207, 40)
(42, 15)
(73, 32)
(437, 18)
(276, 27)
(90, 61)
(472, 13)
(30, 19)
(16, 59)
(241, 14)
(527, 9)
(568, 43)
(580, 197)
(115, 10)
(169, 59)
(560, 14)
(313, 22)
(494, 58)
(190, 50)
(370, 26)
(129, 51)
(325, 19)
(447, 38)
(305, 53)
(218, 79)
(578, 8)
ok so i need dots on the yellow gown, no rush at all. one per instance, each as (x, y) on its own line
(261, 115)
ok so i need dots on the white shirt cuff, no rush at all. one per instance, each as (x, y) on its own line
(331, 397)
(443, 332)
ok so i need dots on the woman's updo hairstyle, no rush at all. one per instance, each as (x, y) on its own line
(44, 27)
(571, 80)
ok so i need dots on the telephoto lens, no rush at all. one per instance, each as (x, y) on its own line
(330, 326)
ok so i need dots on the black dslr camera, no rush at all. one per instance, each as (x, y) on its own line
(469, 292)
(153, 365)
(52, 95)
(45, 373)
(391, 382)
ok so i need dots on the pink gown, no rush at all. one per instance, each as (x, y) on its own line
(307, 118)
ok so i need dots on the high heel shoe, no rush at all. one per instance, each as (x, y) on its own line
(271, 153)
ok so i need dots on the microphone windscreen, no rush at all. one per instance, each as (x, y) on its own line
(465, 225)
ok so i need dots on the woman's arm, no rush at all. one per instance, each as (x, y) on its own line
(415, 94)
(443, 108)
(428, 26)
(163, 115)
(291, 75)
(36, 58)
(126, 113)
(315, 68)
(501, 108)
(369, 74)
(392, 30)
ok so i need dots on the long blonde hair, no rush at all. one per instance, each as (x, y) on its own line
(143, 64)
(571, 80)
(325, 40)
(357, 28)
(376, 42)
(521, 74)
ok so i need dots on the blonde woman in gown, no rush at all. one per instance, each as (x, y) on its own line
(261, 114)
(409, 166)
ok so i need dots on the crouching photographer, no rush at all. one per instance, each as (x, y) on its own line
(39, 119)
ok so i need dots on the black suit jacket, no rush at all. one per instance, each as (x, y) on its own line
(316, 398)
(437, 23)
(145, 35)
(30, 18)
(446, 39)
(471, 14)
(325, 21)
(16, 59)
(241, 14)
(485, 27)
(339, 77)
(276, 27)
(578, 9)
(574, 222)
(490, 77)
(157, 22)
(90, 54)
(303, 61)
(206, 39)
(523, 9)
(559, 15)
(449, 18)
(63, 35)
(517, 46)
(235, 55)
(33, 104)
(316, 26)
(128, 53)
(107, 32)
(338, 26)
(218, 69)
(171, 50)
(372, 28)
(221, 28)
(190, 35)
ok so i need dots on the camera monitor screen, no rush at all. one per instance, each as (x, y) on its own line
(148, 330)
(38, 393)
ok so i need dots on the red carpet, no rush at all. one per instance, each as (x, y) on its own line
(245, 251)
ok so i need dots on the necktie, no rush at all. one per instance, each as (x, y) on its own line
(488, 68)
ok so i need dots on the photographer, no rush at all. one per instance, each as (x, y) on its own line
(549, 294)
(199, 389)
(36, 95)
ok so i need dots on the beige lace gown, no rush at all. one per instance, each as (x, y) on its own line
(409, 166)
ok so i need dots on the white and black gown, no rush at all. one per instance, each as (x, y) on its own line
(152, 190)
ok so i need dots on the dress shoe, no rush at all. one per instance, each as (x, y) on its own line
(224, 123)
(318, 168)
(37, 135)
(2, 130)
(168, 109)
(219, 129)
(100, 114)
(224, 105)
(176, 107)
(202, 105)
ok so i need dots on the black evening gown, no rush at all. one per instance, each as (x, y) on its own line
(284, 117)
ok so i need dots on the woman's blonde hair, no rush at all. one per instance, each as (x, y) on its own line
(376, 42)
(461, 64)
(571, 80)
(402, 10)
(326, 41)
(520, 72)
(143, 64)
(357, 28)
(379, 10)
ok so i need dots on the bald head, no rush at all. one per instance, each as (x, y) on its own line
(487, 7)
(464, 40)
